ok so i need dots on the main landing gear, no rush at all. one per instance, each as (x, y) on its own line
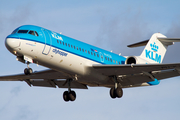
(116, 91)
(69, 95)
(28, 70)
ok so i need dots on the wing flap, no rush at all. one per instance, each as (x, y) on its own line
(41, 83)
(54, 83)
(74, 84)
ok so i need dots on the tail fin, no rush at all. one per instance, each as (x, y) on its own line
(156, 47)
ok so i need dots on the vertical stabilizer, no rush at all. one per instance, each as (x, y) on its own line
(155, 49)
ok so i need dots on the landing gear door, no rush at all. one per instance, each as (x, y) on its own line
(47, 39)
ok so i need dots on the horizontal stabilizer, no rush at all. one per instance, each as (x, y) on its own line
(169, 39)
(143, 43)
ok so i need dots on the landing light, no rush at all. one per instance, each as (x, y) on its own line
(15, 52)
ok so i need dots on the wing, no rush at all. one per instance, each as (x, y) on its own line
(139, 73)
(46, 78)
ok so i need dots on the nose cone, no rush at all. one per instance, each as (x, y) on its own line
(12, 41)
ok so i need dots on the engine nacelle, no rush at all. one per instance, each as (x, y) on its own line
(135, 60)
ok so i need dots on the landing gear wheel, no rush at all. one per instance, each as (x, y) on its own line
(72, 95)
(69, 96)
(66, 96)
(119, 92)
(112, 93)
(28, 71)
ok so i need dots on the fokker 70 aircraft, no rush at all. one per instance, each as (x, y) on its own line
(74, 64)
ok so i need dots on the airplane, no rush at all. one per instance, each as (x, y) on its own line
(77, 65)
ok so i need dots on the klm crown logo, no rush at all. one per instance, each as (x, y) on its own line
(150, 54)
(154, 47)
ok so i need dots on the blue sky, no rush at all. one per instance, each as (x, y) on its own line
(111, 25)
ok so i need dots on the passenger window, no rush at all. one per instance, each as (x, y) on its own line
(77, 48)
(91, 53)
(80, 49)
(111, 60)
(72, 46)
(83, 50)
(23, 31)
(66, 44)
(101, 57)
(94, 54)
(88, 52)
(97, 55)
(69, 45)
(106, 58)
(57, 41)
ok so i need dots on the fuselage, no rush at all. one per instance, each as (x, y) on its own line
(61, 53)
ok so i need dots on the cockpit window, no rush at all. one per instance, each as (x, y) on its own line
(33, 33)
(14, 31)
(36, 34)
(23, 31)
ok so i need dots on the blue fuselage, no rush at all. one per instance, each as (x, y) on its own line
(60, 42)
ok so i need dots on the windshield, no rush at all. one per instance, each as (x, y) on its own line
(23, 31)
(15, 31)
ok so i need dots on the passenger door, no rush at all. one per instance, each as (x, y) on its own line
(48, 42)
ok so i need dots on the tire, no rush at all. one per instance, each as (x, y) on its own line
(72, 95)
(30, 70)
(119, 92)
(112, 93)
(66, 96)
(26, 72)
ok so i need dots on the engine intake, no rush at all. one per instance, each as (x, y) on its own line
(131, 60)
(135, 60)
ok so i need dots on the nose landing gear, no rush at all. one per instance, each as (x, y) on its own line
(28, 70)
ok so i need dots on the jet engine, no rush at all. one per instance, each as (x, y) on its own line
(135, 60)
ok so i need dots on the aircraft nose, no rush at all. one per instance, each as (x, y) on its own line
(12, 41)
